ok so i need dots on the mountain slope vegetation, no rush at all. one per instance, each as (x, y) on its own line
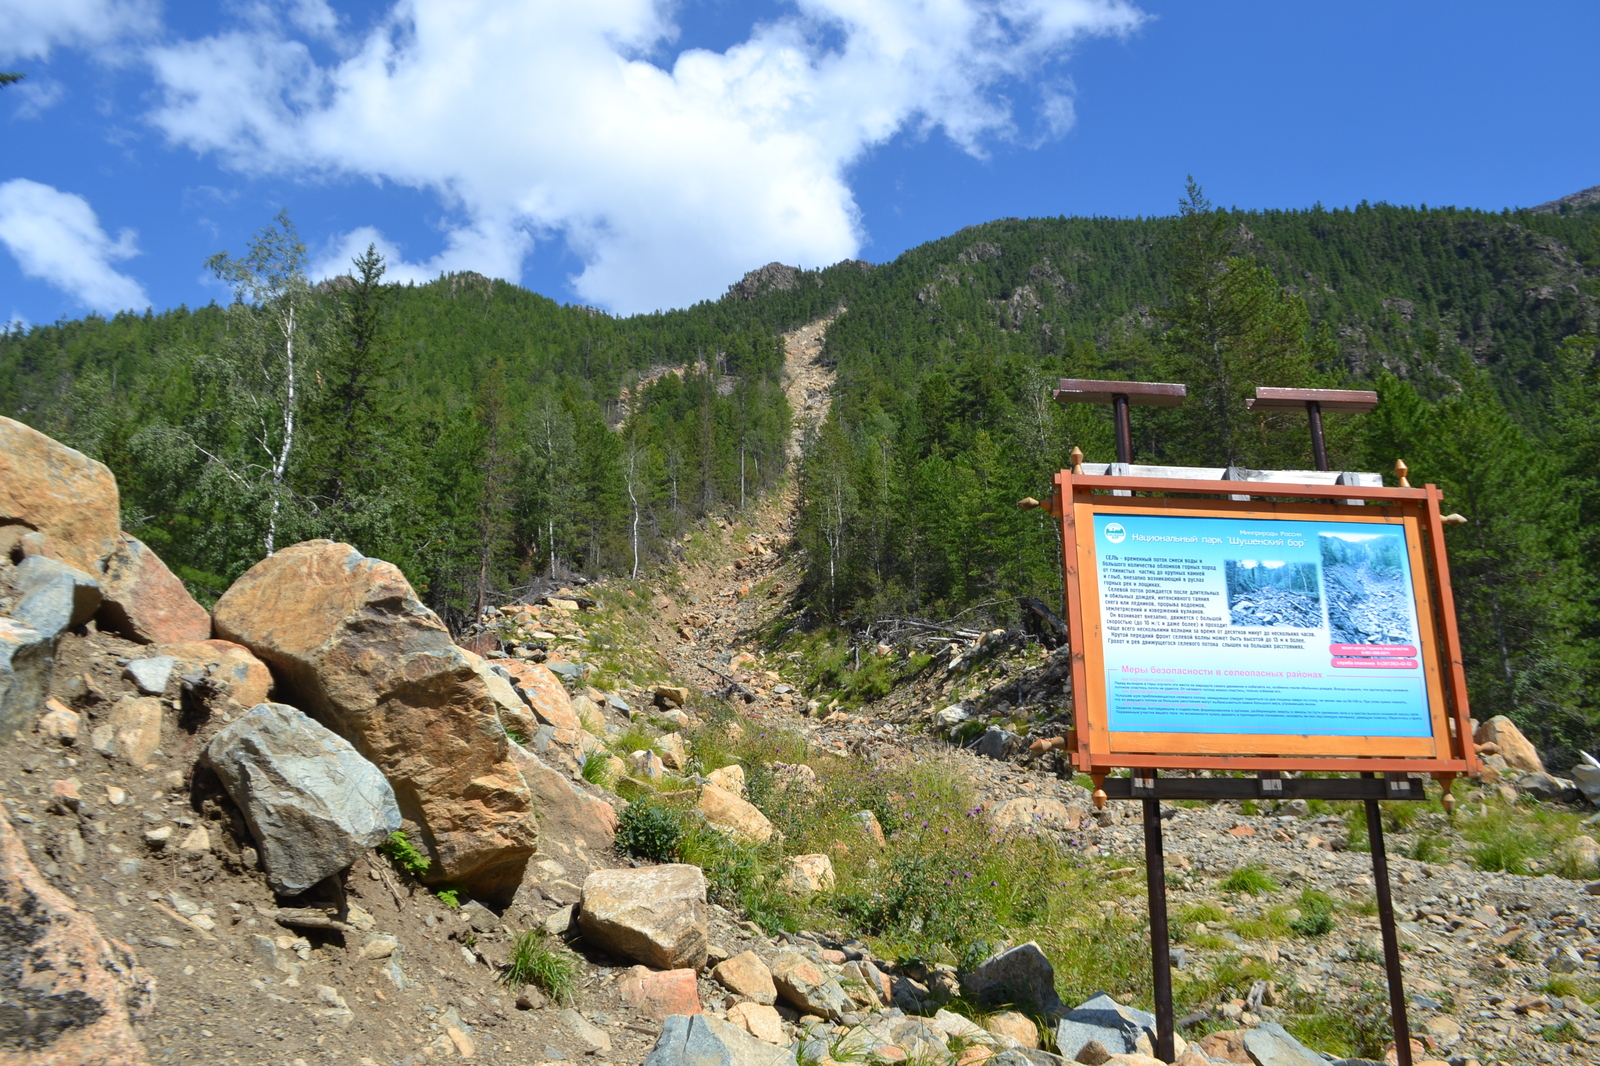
(484, 437)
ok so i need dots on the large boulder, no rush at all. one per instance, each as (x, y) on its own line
(145, 602)
(1020, 975)
(68, 995)
(61, 493)
(27, 659)
(349, 642)
(311, 801)
(706, 1040)
(655, 915)
(1517, 750)
(55, 596)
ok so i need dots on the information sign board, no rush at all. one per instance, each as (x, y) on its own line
(1285, 631)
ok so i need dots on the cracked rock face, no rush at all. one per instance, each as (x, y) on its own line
(68, 995)
(350, 643)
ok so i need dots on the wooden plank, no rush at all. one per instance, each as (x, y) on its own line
(1139, 393)
(1456, 677)
(1356, 401)
(1087, 483)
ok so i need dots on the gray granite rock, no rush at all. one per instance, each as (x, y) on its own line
(1270, 1044)
(27, 659)
(997, 743)
(55, 596)
(705, 1040)
(152, 674)
(311, 801)
(1020, 975)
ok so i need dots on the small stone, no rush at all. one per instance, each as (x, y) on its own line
(655, 914)
(746, 975)
(869, 826)
(379, 946)
(157, 838)
(531, 998)
(59, 723)
(65, 795)
(203, 922)
(150, 675)
(660, 994)
(593, 1038)
(1018, 1027)
(674, 752)
(1093, 1053)
(197, 842)
(804, 986)
(727, 811)
(559, 921)
(728, 777)
(116, 796)
(759, 1020)
(807, 874)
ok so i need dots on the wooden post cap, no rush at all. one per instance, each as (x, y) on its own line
(1027, 503)
(1139, 393)
(1356, 401)
(1077, 460)
(1400, 471)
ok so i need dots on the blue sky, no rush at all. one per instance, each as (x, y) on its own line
(635, 155)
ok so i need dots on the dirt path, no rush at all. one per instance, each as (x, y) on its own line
(741, 578)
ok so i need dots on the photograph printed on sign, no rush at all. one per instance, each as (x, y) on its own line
(1258, 626)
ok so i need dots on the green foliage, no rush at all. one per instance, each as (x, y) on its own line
(1251, 879)
(1358, 1026)
(649, 830)
(594, 769)
(1428, 847)
(1564, 1032)
(404, 854)
(450, 897)
(534, 962)
(1316, 914)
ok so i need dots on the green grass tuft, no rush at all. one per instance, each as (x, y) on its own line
(1316, 914)
(450, 897)
(596, 768)
(534, 962)
(1251, 879)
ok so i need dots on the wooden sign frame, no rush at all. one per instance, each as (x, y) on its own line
(1448, 752)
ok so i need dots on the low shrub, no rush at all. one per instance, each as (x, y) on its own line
(649, 830)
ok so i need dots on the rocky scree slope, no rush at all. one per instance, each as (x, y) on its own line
(193, 820)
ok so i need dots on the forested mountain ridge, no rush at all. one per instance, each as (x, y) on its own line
(483, 436)
(1476, 328)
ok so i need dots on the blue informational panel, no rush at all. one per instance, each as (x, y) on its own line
(1259, 626)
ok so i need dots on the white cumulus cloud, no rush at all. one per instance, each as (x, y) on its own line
(537, 119)
(29, 29)
(56, 237)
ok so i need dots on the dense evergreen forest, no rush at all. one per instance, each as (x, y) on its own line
(482, 436)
